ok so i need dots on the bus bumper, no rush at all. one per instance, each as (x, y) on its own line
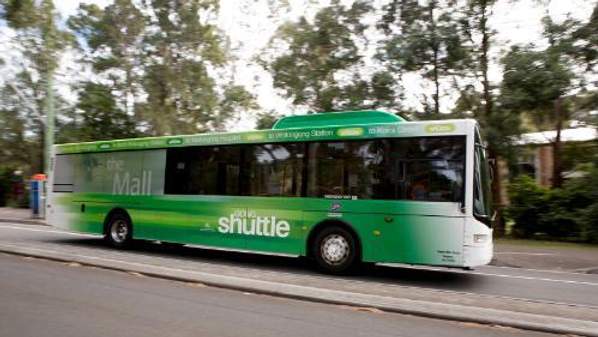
(477, 255)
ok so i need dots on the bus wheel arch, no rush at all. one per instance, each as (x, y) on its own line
(342, 230)
(118, 228)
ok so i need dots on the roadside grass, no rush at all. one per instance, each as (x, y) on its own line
(544, 244)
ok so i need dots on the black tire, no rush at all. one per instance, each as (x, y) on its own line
(335, 250)
(119, 231)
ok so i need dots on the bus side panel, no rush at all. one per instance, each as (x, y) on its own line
(77, 212)
(397, 231)
(414, 239)
(187, 219)
(277, 214)
(421, 239)
(365, 226)
(222, 221)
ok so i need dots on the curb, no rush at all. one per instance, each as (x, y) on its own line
(452, 312)
(25, 221)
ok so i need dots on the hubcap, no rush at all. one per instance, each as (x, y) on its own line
(119, 231)
(335, 249)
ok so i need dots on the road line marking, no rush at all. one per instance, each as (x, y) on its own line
(49, 231)
(523, 253)
(316, 277)
(369, 283)
(520, 277)
(531, 278)
(536, 270)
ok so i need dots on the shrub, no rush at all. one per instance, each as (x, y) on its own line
(5, 183)
(586, 202)
(527, 204)
(590, 223)
(569, 213)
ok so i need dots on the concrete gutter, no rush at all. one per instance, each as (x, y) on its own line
(453, 312)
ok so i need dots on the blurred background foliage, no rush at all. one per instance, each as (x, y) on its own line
(565, 213)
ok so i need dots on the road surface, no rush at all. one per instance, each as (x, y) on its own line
(47, 298)
(547, 293)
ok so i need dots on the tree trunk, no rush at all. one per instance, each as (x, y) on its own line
(557, 165)
(432, 5)
(436, 85)
(488, 104)
(496, 188)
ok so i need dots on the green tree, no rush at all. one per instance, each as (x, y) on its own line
(498, 125)
(266, 120)
(16, 148)
(113, 45)
(41, 42)
(182, 48)
(426, 39)
(320, 68)
(97, 117)
(542, 82)
(586, 41)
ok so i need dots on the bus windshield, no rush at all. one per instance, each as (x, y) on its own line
(481, 183)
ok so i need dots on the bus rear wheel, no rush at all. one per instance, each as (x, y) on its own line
(119, 231)
(335, 250)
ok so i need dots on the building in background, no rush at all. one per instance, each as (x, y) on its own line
(536, 152)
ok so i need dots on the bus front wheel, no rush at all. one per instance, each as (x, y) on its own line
(335, 250)
(119, 231)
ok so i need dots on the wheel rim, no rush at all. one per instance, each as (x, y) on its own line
(335, 249)
(119, 231)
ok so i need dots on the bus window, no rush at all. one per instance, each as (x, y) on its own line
(203, 170)
(424, 168)
(64, 177)
(274, 169)
(350, 169)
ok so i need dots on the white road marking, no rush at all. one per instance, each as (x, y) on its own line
(536, 270)
(49, 231)
(473, 272)
(520, 277)
(352, 281)
(523, 253)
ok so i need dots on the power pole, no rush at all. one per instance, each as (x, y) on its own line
(49, 132)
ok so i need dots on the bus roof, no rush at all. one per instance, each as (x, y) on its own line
(337, 118)
(313, 127)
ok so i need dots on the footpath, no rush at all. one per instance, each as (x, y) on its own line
(521, 313)
(19, 215)
(546, 255)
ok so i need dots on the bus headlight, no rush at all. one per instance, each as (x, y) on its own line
(480, 238)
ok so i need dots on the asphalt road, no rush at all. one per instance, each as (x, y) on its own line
(571, 289)
(46, 298)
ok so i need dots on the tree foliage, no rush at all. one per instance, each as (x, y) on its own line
(40, 41)
(541, 82)
(98, 117)
(425, 38)
(562, 213)
(114, 38)
(319, 68)
(161, 58)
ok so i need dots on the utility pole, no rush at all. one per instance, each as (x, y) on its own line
(49, 132)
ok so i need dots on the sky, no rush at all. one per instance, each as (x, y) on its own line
(250, 28)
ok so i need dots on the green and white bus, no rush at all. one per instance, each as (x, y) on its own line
(339, 188)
